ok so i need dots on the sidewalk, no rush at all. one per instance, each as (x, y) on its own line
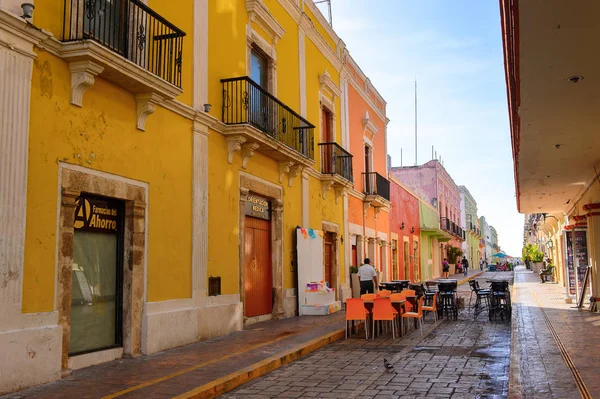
(204, 369)
(556, 348)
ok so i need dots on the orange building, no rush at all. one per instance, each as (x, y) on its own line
(368, 202)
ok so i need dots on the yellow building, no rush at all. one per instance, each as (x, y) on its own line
(155, 162)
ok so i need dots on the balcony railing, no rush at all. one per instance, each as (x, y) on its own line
(375, 184)
(452, 228)
(131, 29)
(336, 161)
(245, 102)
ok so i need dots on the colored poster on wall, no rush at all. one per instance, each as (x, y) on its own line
(582, 257)
(570, 264)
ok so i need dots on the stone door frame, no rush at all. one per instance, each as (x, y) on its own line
(73, 181)
(249, 183)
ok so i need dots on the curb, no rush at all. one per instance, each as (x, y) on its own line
(464, 280)
(234, 380)
(515, 388)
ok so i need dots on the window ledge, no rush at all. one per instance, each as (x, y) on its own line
(88, 59)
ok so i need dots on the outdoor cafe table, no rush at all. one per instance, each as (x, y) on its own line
(398, 305)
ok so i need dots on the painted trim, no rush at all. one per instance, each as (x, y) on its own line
(199, 212)
(302, 69)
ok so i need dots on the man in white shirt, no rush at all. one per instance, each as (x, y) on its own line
(367, 276)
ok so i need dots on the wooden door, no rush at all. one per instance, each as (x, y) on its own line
(406, 261)
(258, 277)
(328, 258)
(395, 274)
(354, 256)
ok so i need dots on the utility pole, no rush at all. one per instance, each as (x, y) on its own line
(416, 162)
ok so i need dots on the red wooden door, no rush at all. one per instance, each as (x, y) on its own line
(328, 255)
(258, 278)
(354, 256)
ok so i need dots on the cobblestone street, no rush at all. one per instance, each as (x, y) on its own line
(457, 359)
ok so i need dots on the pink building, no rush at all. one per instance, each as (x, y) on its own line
(434, 184)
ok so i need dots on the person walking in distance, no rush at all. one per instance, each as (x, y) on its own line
(367, 276)
(445, 268)
(481, 264)
(465, 264)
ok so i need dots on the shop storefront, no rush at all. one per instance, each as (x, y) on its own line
(97, 294)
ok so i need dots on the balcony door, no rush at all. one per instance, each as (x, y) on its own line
(328, 255)
(327, 137)
(369, 178)
(261, 116)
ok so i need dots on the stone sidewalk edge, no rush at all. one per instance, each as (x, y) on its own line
(234, 380)
(515, 389)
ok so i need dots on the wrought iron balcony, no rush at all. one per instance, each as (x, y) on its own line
(131, 29)
(336, 161)
(375, 184)
(445, 224)
(245, 102)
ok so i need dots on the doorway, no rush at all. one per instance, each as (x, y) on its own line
(328, 255)
(97, 276)
(354, 256)
(258, 277)
(395, 272)
(406, 261)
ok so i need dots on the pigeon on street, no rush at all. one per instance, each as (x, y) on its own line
(388, 366)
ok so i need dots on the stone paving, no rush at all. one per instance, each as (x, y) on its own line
(457, 359)
(540, 368)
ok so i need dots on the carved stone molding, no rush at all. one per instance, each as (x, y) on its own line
(325, 187)
(82, 77)
(284, 167)
(339, 192)
(366, 206)
(376, 211)
(234, 143)
(146, 105)
(368, 125)
(294, 172)
(248, 150)
(259, 13)
(329, 86)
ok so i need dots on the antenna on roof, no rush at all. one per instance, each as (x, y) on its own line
(328, 2)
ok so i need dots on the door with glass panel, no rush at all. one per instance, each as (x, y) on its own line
(96, 300)
(260, 112)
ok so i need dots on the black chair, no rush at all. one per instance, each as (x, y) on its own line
(482, 297)
(500, 304)
(447, 299)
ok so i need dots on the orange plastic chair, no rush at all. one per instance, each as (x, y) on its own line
(368, 297)
(356, 311)
(416, 315)
(409, 306)
(401, 297)
(384, 311)
(432, 308)
(385, 293)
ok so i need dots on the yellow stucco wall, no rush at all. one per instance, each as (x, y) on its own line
(228, 30)
(103, 136)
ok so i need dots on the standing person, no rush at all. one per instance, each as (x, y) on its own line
(367, 276)
(445, 268)
(480, 264)
(465, 264)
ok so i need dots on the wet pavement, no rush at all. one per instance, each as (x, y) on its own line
(556, 348)
(457, 359)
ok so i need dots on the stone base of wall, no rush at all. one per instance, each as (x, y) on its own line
(290, 303)
(31, 352)
(171, 324)
(346, 292)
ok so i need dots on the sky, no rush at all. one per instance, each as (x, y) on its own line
(454, 49)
